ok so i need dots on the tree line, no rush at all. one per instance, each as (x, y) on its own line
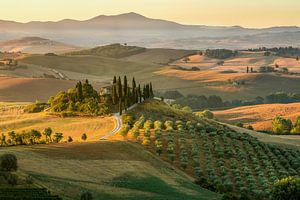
(32, 137)
(201, 102)
(85, 99)
(284, 126)
(124, 96)
(220, 53)
(281, 51)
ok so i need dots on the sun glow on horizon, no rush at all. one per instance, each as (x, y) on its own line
(255, 13)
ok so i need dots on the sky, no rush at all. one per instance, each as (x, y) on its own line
(246, 13)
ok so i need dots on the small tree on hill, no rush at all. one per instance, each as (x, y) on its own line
(84, 136)
(281, 125)
(70, 139)
(58, 137)
(48, 132)
(286, 189)
(9, 162)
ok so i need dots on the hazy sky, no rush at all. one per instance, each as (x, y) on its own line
(248, 13)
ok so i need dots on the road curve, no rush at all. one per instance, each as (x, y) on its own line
(116, 129)
(118, 124)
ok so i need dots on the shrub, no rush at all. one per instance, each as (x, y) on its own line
(70, 139)
(84, 136)
(281, 125)
(286, 189)
(9, 162)
(207, 114)
(35, 108)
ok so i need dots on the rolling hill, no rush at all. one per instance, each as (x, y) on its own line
(259, 116)
(36, 45)
(139, 30)
(108, 169)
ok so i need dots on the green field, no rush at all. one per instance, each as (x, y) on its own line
(221, 158)
(109, 170)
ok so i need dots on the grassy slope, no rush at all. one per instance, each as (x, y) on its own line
(12, 118)
(259, 116)
(110, 170)
(290, 141)
(246, 151)
(113, 51)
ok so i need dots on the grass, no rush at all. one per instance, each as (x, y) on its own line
(14, 119)
(113, 51)
(109, 170)
(229, 158)
(259, 116)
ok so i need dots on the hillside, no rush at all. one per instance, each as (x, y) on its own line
(109, 170)
(259, 116)
(32, 89)
(218, 156)
(36, 45)
(112, 50)
(139, 30)
(13, 118)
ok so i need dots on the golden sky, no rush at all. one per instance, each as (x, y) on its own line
(247, 13)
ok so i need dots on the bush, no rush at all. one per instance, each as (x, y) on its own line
(286, 189)
(281, 125)
(207, 114)
(70, 139)
(9, 162)
(84, 136)
(35, 108)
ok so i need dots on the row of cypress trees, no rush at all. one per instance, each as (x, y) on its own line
(125, 96)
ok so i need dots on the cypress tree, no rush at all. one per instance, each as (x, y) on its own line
(119, 87)
(125, 86)
(151, 91)
(133, 98)
(120, 106)
(114, 91)
(140, 93)
(79, 91)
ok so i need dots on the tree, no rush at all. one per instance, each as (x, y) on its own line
(12, 136)
(48, 132)
(84, 136)
(58, 137)
(35, 135)
(286, 189)
(114, 91)
(3, 139)
(119, 88)
(296, 128)
(134, 92)
(297, 58)
(140, 93)
(281, 125)
(120, 107)
(79, 91)
(151, 94)
(247, 69)
(70, 139)
(9, 162)
(207, 114)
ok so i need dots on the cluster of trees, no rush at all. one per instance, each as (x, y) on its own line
(83, 98)
(282, 97)
(201, 102)
(281, 51)
(284, 126)
(125, 96)
(220, 53)
(31, 137)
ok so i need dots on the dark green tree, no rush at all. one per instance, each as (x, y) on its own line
(114, 91)
(79, 91)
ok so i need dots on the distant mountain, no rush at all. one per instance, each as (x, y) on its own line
(135, 29)
(36, 45)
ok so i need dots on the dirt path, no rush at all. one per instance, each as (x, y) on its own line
(118, 123)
